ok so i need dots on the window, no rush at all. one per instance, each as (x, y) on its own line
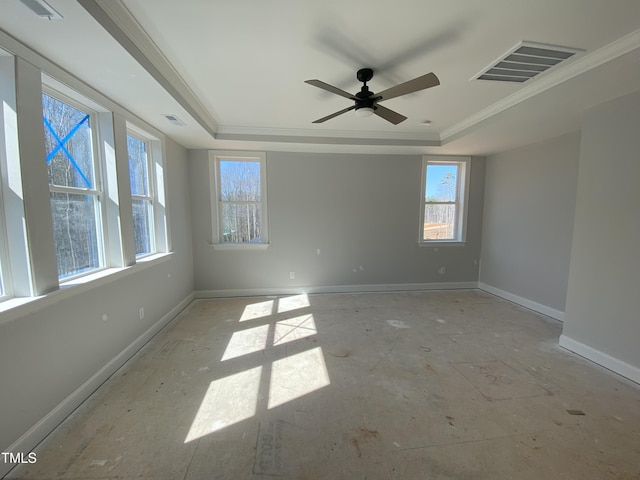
(74, 186)
(87, 221)
(445, 186)
(241, 198)
(141, 194)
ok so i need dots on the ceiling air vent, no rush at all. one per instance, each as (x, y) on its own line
(526, 60)
(174, 119)
(42, 9)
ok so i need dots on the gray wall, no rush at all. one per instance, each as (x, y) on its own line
(47, 354)
(361, 211)
(603, 300)
(528, 218)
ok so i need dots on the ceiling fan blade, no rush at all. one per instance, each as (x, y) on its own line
(330, 88)
(389, 115)
(329, 117)
(425, 81)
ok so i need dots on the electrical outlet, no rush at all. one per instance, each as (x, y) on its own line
(141, 311)
(292, 275)
(442, 270)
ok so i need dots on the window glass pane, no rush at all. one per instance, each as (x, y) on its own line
(68, 144)
(239, 181)
(76, 232)
(138, 166)
(241, 223)
(441, 183)
(439, 222)
(142, 229)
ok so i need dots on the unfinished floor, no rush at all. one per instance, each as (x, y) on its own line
(429, 385)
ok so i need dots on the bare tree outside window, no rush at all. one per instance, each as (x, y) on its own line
(141, 195)
(240, 201)
(440, 209)
(75, 198)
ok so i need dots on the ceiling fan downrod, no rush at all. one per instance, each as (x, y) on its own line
(365, 104)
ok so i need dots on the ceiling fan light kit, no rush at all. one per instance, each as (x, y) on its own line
(366, 102)
(364, 111)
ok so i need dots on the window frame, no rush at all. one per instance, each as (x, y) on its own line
(151, 196)
(462, 199)
(7, 84)
(98, 190)
(217, 228)
(6, 285)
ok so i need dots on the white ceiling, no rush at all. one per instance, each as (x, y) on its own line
(234, 71)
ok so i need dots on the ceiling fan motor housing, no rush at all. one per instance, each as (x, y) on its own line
(364, 98)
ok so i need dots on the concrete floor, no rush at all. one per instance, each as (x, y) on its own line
(430, 385)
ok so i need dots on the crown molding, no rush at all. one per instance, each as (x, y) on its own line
(577, 67)
(336, 137)
(118, 21)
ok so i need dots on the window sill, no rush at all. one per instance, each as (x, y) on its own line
(454, 243)
(20, 306)
(239, 246)
(95, 279)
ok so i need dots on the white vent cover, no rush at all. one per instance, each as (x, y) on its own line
(42, 9)
(174, 119)
(524, 61)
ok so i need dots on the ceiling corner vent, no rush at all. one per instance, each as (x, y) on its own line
(174, 119)
(525, 61)
(42, 9)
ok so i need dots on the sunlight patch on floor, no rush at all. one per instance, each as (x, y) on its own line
(257, 310)
(297, 375)
(246, 341)
(293, 303)
(228, 400)
(294, 329)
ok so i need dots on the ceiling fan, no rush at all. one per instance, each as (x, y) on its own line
(367, 102)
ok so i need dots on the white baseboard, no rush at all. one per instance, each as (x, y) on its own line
(525, 302)
(607, 361)
(391, 287)
(28, 441)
